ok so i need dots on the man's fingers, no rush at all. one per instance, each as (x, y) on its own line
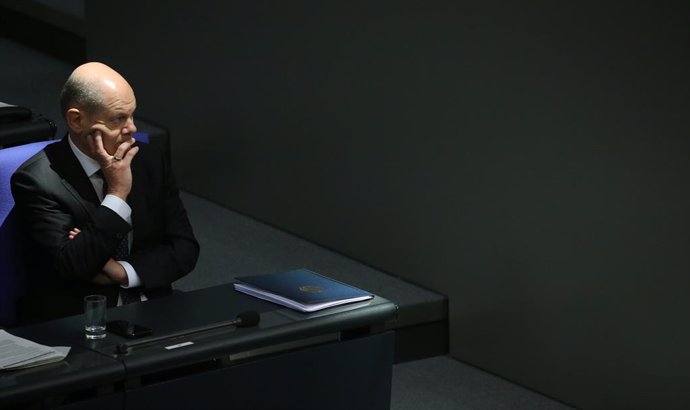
(123, 149)
(131, 153)
(97, 138)
(73, 233)
(117, 169)
(95, 142)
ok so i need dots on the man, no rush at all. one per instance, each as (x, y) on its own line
(101, 213)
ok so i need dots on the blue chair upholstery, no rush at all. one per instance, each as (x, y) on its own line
(141, 137)
(11, 272)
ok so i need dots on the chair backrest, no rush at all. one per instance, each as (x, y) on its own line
(11, 268)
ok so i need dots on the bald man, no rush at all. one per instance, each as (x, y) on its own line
(102, 213)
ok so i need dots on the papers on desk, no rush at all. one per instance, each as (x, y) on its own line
(300, 289)
(18, 353)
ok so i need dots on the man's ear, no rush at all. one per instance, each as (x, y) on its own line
(75, 119)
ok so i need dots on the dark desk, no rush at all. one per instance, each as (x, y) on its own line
(337, 358)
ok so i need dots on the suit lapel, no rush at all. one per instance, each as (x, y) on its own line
(137, 197)
(78, 183)
(66, 165)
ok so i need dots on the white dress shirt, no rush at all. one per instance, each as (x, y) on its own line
(120, 207)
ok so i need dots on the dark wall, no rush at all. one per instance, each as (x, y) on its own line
(529, 161)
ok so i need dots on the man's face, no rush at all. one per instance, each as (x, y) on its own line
(115, 121)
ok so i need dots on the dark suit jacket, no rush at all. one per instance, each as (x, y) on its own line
(53, 194)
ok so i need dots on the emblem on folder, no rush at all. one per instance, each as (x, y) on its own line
(311, 289)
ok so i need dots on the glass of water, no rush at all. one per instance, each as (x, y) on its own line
(94, 316)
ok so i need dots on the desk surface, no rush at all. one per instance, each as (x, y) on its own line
(97, 361)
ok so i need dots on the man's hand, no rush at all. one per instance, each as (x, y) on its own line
(102, 279)
(73, 232)
(113, 274)
(116, 168)
(116, 272)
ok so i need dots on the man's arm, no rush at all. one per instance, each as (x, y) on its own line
(113, 272)
(48, 208)
(169, 250)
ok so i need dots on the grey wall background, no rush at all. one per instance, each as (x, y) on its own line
(528, 160)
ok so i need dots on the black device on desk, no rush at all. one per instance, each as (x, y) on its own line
(127, 329)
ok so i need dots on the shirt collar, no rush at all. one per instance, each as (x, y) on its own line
(90, 165)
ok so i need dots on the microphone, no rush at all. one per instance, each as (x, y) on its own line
(245, 319)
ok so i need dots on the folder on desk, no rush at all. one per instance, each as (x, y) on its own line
(300, 289)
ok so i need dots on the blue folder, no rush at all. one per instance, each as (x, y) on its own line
(300, 289)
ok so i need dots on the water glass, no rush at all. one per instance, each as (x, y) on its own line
(94, 316)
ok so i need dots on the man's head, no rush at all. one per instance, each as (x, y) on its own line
(97, 98)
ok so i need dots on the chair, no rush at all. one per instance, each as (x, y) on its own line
(11, 269)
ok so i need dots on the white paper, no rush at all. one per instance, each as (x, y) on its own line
(18, 353)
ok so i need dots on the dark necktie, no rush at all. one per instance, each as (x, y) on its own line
(128, 295)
